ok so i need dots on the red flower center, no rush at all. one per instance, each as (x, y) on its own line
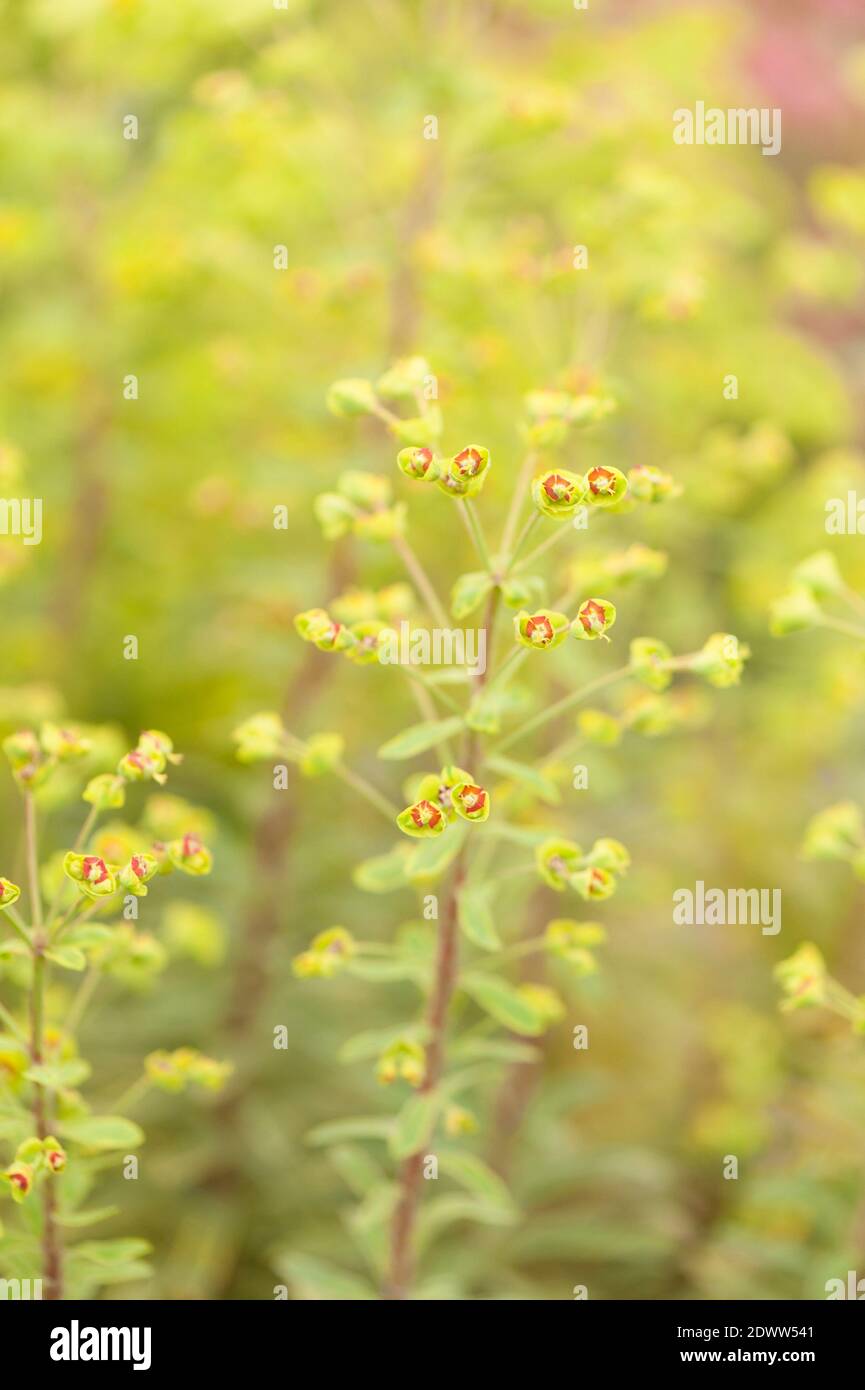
(95, 870)
(557, 488)
(422, 459)
(592, 617)
(20, 1181)
(424, 813)
(138, 866)
(601, 480)
(191, 845)
(468, 462)
(473, 798)
(539, 630)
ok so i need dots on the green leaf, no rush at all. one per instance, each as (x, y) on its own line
(504, 1003)
(419, 737)
(529, 776)
(86, 1218)
(415, 1124)
(441, 1212)
(385, 873)
(493, 1049)
(103, 1132)
(469, 592)
(313, 1279)
(476, 918)
(357, 1168)
(113, 1252)
(13, 947)
(68, 956)
(431, 857)
(476, 1176)
(88, 935)
(59, 1076)
(358, 1127)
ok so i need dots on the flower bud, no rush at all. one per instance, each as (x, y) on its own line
(91, 873)
(458, 1121)
(838, 832)
(570, 941)
(648, 662)
(366, 642)
(19, 1176)
(424, 818)
(470, 801)
(321, 754)
(190, 855)
(819, 575)
(419, 464)
(439, 788)
(9, 893)
(595, 616)
(609, 854)
(545, 1001)
(604, 486)
(721, 659)
(465, 474)
(556, 861)
(24, 753)
(405, 1059)
(63, 744)
(334, 514)
(802, 977)
(383, 524)
(106, 792)
(158, 745)
(328, 952)
(404, 380)
(135, 875)
(262, 736)
(523, 590)
(541, 631)
(593, 884)
(317, 626)
(636, 562)
(647, 484)
(352, 396)
(794, 612)
(138, 766)
(54, 1153)
(161, 1069)
(558, 493)
(208, 1072)
(366, 490)
(597, 726)
(420, 430)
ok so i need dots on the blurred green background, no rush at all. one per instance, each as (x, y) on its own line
(154, 257)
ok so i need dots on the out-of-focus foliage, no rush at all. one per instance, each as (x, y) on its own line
(294, 138)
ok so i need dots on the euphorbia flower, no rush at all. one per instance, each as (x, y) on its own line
(466, 472)
(317, 626)
(593, 883)
(648, 484)
(20, 1179)
(471, 801)
(328, 952)
(558, 493)
(366, 641)
(9, 892)
(106, 792)
(595, 616)
(140, 766)
(424, 818)
(262, 736)
(439, 788)
(541, 631)
(605, 485)
(403, 1058)
(649, 662)
(63, 744)
(419, 464)
(54, 1153)
(721, 660)
(190, 855)
(570, 941)
(557, 861)
(135, 875)
(609, 854)
(803, 977)
(91, 873)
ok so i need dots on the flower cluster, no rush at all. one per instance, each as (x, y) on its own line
(173, 1071)
(815, 582)
(441, 798)
(562, 864)
(463, 474)
(33, 757)
(33, 1157)
(362, 505)
(326, 954)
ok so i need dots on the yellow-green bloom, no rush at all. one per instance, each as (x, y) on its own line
(466, 472)
(423, 819)
(107, 791)
(648, 484)
(597, 726)
(838, 832)
(609, 854)
(557, 861)
(545, 1001)
(91, 873)
(54, 1154)
(721, 660)
(419, 464)
(19, 1177)
(327, 953)
(558, 493)
(9, 893)
(190, 855)
(63, 744)
(404, 1059)
(593, 883)
(261, 736)
(135, 875)
(649, 659)
(803, 977)
(604, 486)
(541, 631)
(351, 396)
(321, 754)
(794, 612)
(595, 617)
(366, 642)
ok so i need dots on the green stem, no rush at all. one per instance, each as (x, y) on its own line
(421, 579)
(531, 523)
(32, 860)
(11, 1024)
(475, 530)
(839, 625)
(132, 1095)
(80, 839)
(366, 790)
(81, 1000)
(560, 707)
(517, 499)
(17, 926)
(547, 544)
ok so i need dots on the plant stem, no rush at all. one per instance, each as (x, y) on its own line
(517, 499)
(132, 1095)
(82, 998)
(13, 1027)
(475, 530)
(367, 790)
(839, 625)
(566, 703)
(405, 1214)
(531, 523)
(421, 579)
(17, 926)
(545, 545)
(32, 861)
